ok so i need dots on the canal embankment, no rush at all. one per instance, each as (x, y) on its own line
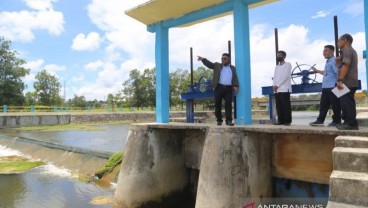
(11, 120)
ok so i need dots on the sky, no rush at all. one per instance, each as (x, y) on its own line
(91, 45)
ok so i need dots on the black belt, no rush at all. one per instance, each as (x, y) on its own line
(221, 85)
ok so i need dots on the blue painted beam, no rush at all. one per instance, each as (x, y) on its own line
(162, 74)
(366, 37)
(195, 16)
(200, 14)
(242, 62)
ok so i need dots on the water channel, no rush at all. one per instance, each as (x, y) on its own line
(49, 186)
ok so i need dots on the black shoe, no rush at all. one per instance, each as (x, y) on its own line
(332, 124)
(346, 127)
(316, 123)
(219, 123)
(287, 124)
(229, 123)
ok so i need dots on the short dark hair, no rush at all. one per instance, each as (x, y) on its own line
(331, 47)
(283, 53)
(347, 37)
(226, 54)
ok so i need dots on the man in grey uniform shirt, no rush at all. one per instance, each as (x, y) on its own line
(347, 64)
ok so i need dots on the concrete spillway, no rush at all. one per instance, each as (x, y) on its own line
(166, 164)
(83, 161)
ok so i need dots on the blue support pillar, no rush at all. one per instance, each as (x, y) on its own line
(190, 111)
(366, 37)
(162, 74)
(242, 62)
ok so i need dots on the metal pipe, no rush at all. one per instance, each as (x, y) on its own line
(336, 31)
(276, 44)
(191, 66)
(229, 49)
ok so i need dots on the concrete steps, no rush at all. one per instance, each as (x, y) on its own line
(349, 179)
(354, 142)
(350, 159)
(349, 187)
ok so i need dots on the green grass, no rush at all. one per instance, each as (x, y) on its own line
(113, 161)
(8, 167)
(68, 127)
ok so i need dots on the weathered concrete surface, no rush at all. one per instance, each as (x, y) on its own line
(351, 159)
(349, 188)
(362, 119)
(152, 168)
(236, 163)
(342, 205)
(7, 120)
(304, 157)
(235, 167)
(349, 180)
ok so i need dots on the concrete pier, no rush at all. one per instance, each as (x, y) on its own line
(236, 164)
(154, 170)
(235, 167)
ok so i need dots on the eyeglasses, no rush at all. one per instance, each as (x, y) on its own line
(224, 58)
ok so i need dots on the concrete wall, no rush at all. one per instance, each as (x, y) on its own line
(153, 171)
(236, 164)
(235, 168)
(303, 157)
(46, 119)
(7, 120)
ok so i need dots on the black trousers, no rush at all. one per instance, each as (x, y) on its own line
(328, 99)
(283, 107)
(348, 107)
(226, 93)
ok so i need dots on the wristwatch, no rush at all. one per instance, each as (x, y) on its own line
(340, 80)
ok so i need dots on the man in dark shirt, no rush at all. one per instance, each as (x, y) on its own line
(347, 65)
(224, 81)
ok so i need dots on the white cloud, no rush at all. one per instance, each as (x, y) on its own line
(109, 80)
(320, 14)
(93, 66)
(34, 66)
(354, 8)
(90, 42)
(78, 78)
(53, 68)
(20, 25)
(123, 34)
(40, 4)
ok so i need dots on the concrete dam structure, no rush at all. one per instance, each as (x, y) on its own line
(166, 165)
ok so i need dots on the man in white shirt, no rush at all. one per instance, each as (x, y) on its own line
(282, 89)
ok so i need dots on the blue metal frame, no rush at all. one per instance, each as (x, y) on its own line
(242, 62)
(242, 55)
(200, 90)
(366, 37)
(162, 74)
